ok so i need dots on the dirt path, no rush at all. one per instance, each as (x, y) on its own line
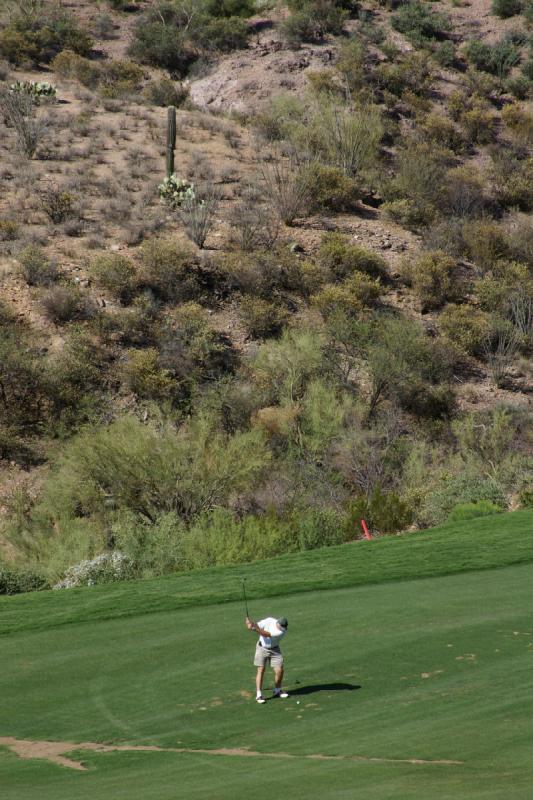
(54, 751)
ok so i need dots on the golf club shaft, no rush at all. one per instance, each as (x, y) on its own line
(245, 600)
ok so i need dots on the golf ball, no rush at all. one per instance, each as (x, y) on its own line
(297, 702)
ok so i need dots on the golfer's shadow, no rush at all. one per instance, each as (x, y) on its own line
(325, 687)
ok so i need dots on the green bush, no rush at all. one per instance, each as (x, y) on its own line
(331, 189)
(66, 303)
(350, 297)
(465, 511)
(262, 318)
(36, 267)
(478, 124)
(9, 230)
(485, 242)
(506, 8)
(497, 58)
(222, 34)
(417, 184)
(161, 44)
(465, 487)
(311, 20)
(432, 277)
(420, 23)
(382, 511)
(142, 375)
(466, 327)
(165, 92)
(168, 269)
(41, 36)
(116, 274)
(17, 581)
(342, 259)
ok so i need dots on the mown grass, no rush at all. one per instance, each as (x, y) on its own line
(484, 543)
(434, 669)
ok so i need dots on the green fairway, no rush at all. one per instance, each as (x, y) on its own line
(416, 688)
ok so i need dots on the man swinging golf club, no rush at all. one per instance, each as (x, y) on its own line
(271, 631)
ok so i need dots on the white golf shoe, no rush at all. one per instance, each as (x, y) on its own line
(280, 693)
(260, 699)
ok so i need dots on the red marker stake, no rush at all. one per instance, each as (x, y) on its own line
(366, 532)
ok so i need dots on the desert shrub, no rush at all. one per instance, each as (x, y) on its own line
(342, 137)
(66, 303)
(254, 223)
(420, 23)
(466, 511)
(432, 277)
(36, 267)
(519, 86)
(283, 368)
(383, 511)
(120, 78)
(198, 212)
(440, 130)
(500, 348)
(467, 486)
(506, 8)
(351, 64)
(20, 112)
(58, 204)
(38, 37)
(219, 538)
(148, 469)
(406, 367)
(17, 581)
(116, 274)
(466, 327)
(320, 527)
(417, 184)
(485, 241)
(161, 44)
(222, 34)
(497, 58)
(330, 188)
(465, 192)
(276, 121)
(478, 124)
(167, 268)
(104, 568)
(444, 54)
(342, 259)
(173, 191)
(513, 180)
(165, 92)
(504, 282)
(350, 297)
(311, 20)
(412, 73)
(262, 318)
(519, 121)
(73, 66)
(142, 374)
(191, 351)
(287, 188)
(446, 235)
(9, 230)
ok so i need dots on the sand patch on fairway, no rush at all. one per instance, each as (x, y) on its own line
(55, 752)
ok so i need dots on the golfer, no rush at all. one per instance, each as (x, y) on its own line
(271, 631)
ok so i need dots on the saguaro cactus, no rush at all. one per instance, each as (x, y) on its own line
(171, 139)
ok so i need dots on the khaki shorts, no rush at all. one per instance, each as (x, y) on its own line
(266, 656)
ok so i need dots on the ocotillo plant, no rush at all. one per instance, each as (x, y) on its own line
(171, 140)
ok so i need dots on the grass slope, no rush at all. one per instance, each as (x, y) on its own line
(435, 668)
(483, 543)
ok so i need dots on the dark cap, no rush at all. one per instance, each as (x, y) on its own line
(283, 622)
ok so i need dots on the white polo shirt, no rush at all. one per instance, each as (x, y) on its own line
(270, 624)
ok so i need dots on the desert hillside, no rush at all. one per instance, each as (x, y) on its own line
(324, 313)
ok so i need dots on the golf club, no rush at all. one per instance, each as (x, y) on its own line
(244, 595)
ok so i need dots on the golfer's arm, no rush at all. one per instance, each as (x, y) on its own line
(261, 631)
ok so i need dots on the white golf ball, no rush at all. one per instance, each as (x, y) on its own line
(297, 702)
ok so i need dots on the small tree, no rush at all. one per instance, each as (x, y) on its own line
(20, 112)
